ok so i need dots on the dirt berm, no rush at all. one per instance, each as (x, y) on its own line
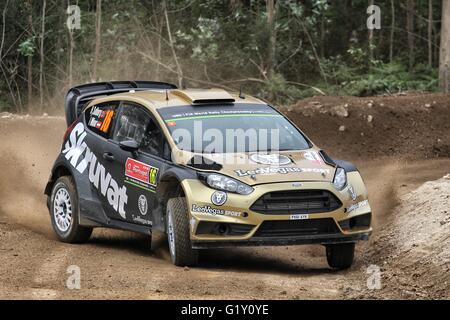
(412, 249)
(410, 127)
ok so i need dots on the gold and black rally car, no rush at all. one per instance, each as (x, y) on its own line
(211, 169)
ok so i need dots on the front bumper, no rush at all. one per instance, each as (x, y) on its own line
(323, 239)
(252, 228)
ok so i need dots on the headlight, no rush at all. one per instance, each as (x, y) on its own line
(340, 179)
(224, 183)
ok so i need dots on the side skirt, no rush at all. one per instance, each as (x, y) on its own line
(123, 225)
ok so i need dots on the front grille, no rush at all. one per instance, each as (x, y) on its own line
(296, 202)
(293, 228)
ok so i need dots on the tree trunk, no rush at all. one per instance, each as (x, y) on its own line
(172, 47)
(391, 42)
(270, 4)
(29, 81)
(430, 33)
(444, 63)
(41, 64)
(70, 51)
(410, 8)
(322, 36)
(98, 26)
(371, 2)
(30, 58)
(436, 48)
(71, 46)
(160, 23)
(2, 42)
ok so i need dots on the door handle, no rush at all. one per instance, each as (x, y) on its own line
(108, 156)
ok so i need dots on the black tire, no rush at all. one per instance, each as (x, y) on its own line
(340, 256)
(74, 232)
(178, 234)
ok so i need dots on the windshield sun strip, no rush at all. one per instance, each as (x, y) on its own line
(223, 116)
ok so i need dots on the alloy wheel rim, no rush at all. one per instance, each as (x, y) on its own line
(62, 210)
(171, 234)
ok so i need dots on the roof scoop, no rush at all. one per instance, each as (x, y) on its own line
(204, 96)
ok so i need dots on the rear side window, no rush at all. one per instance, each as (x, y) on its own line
(100, 118)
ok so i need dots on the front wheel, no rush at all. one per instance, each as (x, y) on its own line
(340, 256)
(64, 212)
(178, 234)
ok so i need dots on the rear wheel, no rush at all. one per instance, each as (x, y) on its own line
(64, 212)
(178, 234)
(340, 256)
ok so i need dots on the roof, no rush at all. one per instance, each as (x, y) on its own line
(156, 99)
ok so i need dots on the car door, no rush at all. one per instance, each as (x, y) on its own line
(105, 185)
(139, 170)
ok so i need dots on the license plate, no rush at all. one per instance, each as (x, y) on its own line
(299, 216)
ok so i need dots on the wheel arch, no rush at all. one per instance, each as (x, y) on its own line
(169, 186)
(57, 172)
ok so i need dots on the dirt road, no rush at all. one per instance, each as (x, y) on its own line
(117, 264)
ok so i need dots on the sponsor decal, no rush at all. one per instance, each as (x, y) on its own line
(100, 120)
(357, 206)
(219, 198)
(107, 116)
(142, 204)
(96, 112)
(351, 192)
(81, 158)
(279, 170)
(140, 220)
(141, 175)
(215, 211)
(299, 216)
(173, 114)
(270, 159)
(313, 157)
(94, 123)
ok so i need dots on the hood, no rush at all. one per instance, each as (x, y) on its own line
(260, 168)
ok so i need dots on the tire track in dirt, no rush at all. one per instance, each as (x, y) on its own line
(50, 272)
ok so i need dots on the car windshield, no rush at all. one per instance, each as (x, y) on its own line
(231, 128)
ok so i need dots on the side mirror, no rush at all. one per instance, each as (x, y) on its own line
(129, 145)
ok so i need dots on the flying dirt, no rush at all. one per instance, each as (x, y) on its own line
(398, 144)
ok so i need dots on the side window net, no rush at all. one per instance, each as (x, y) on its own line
(132, 124)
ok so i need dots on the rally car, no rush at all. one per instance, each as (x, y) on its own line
(210, 168)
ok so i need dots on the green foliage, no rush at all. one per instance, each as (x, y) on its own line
(318, 43)
(382, 78)
(27, 47)
(203, 39)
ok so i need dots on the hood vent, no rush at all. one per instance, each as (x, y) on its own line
(202, 163)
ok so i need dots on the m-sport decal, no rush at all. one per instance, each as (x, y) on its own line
(80, 157)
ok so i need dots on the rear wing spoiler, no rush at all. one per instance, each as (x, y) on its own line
(78, 97)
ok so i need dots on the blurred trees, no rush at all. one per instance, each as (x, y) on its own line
(278, 49)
